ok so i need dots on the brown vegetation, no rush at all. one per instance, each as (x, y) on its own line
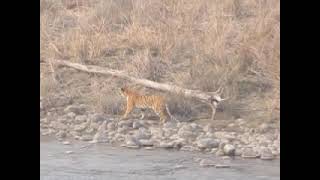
(196, 44)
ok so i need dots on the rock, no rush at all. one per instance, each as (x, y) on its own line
(266, 154)
(146, 142)
(225, 157)
(132, 146)
(149, 148)
(264, 127)
(207, 143)
(62, 120)
(179, 166)
(166, 145)
(238, 152)
(207, 163)
(71, 115)
(101, 135)
(47, 132)
(132, 141)
(86, 138)
(122, 130)
(170, 125)
(80, 127)
(184, 133)
(219, 152)
(143, 133)
(69, 152)
(229, 150)
(222, 166)
(80, 119)
(178, 143)
(66, 143)
(125, 123)
(136, 125)
(240, 122)
(44, 120)
(61, 134)
(208, 128)
(213, 150)
(187, 148)
(249, 153)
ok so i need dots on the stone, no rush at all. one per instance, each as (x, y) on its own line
(238, 152)
(122, 130)
(249, 153)
(146, 142)
(264, 127)
(136, 125)
(80, 119)
(80, 127)
(131, 141)
(222, 166)
(61, 134)
(229, 150)
(207, 163)
(86, 138)
(101, 135)
(207, 143)
(187, 148)
(213, 150)
(266, 154)
(66, 143)
(143, 133)
(208, 128)
(225, 157)
(71, 115)
(125, 123)
(166, 144)
(149, 148)
(132, 146)
(219, 152)
(69, 152)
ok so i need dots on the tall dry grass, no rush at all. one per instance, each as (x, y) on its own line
(197, 44)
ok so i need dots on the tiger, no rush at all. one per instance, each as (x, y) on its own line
(155, 102)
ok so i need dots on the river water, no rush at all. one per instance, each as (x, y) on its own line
(105, 162)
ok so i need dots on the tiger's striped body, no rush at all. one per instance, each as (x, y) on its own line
(154, 102)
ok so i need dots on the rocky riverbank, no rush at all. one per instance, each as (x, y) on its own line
(63, 119)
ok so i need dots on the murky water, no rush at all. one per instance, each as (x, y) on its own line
(115, 163)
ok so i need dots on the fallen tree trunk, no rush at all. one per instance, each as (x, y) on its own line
(210, 98)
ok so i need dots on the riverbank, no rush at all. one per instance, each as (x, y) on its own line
(223, 138)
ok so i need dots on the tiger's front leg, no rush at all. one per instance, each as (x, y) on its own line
(128, 110)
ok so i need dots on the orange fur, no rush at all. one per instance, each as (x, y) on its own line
(154, 102)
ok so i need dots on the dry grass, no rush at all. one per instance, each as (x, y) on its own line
(197, 44)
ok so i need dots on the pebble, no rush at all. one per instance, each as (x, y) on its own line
(207, 163)
(66, 142)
